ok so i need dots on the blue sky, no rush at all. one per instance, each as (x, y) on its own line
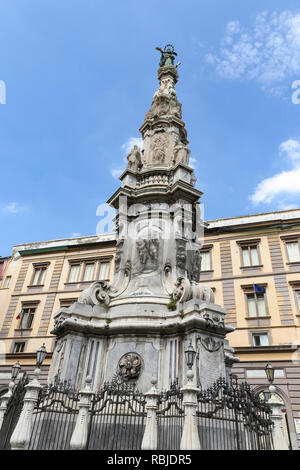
(80, 76)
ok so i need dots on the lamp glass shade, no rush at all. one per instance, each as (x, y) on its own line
(269, 372)
(15, 370)
(40, 355)
(190, 354)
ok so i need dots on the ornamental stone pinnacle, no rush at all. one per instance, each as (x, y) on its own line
(155, 302)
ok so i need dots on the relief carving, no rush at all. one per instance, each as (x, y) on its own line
(147, 250)
(181, 153)
(158, 146)
(130, 366)
(210, 344)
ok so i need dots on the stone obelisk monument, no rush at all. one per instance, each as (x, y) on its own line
(138, 327)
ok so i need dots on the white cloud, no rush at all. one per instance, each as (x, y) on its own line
(286, 183)
(268, 52)
(131, 142)
(126, 148)
(13, 208)
(75, 235)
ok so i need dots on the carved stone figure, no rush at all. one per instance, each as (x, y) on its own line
(142, 249)
(166, 87)
(167, 55)
(130, 366)
(158, 149)
(181, 153)
(134, 159)
(153, 249)
(180, 254)
(147, 250)
(196, 266)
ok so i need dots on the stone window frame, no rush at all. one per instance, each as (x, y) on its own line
(207, 249)
(249, 289)
(248, 243)
(14, 344)
(253, 333)
(82, 262)
(290, 239)
(68, 301)
(36, 266)
(4, 282)
(296, 288)
(31, 305)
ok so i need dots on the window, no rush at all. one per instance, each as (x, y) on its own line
(250, 256)
(19, 347)
(260, 339)
(88, 274)
(293, 251)
(74, 272)
(39, 275)
(249, 253)
(103, 271)
(297, 294)
(7, 282)
(27, 317)
(256, 305)
(205, 261)
(67, 302)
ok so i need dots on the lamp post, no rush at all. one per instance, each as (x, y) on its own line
(40, 356)
(190, 354)
(270, 372)
(190, 437)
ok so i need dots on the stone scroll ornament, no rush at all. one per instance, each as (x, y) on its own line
(186, 290)
(130, 366)
(97, 293)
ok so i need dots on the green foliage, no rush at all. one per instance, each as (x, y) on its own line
(172, 304)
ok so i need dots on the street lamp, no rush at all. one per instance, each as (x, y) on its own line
(190, 354)
(269, 370)
(15, 371)
(40, 356)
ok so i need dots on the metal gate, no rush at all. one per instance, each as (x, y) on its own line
(232, 417)
(12, 413)
(117, 419)
(54, 417)
(170, 417)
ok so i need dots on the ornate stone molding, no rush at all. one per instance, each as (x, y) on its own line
(210, 344)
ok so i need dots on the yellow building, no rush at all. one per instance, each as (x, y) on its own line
(239, 253)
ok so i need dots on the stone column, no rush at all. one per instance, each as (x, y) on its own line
(279, 438)
(190, 436)
(4, 401)
(80, 433)
(22, 433)
(150, 435)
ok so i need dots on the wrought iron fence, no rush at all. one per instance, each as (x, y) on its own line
(117, 418)
(170, 416)
(12, 413)
(231, 416)
(54, 417)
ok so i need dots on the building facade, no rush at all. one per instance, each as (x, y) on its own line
(252, 263)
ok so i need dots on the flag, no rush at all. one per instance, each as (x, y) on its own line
(20, 316)
(259, 289)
